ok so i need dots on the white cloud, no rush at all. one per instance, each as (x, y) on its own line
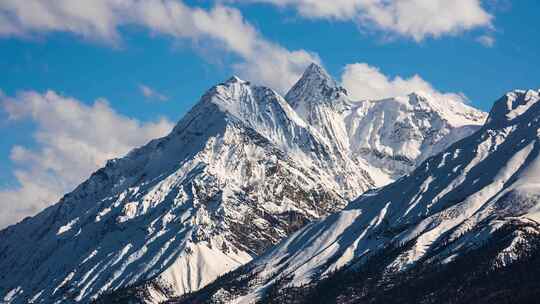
(416, 19)
(102, 19)
(336, 9)
(366, 82)
(152, 94)
(91, 19)
(275, 66)
(486, 40)
(73, 140)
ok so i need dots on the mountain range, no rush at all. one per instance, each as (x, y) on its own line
(253, 189)
(463, 227)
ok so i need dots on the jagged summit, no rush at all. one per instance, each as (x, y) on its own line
(316, 72)
(315, 86)
(235, 79)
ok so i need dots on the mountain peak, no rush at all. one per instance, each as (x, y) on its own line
(315, 86)
(517, 104)
(317, 76)
(315, 70)
(235, 79)
(229, 95)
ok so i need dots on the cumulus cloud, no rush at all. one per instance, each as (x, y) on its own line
(260, 59)
(151, 93)
(416, 19)
(486, 40)
(72, 141)
(92, 19)
(363, 81)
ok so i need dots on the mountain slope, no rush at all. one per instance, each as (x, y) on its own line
(241, 171)
(476, 201)
(185, 208)
(397, 134)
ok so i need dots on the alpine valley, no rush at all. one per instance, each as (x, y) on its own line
(308, 198)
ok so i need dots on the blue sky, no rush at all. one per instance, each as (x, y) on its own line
(112, 57)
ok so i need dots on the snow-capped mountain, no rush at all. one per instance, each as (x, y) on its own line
(453, 231)
(241, 171)
(395, 135)
(388, 137)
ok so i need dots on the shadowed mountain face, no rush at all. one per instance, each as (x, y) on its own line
(242, 170)
(463, 226)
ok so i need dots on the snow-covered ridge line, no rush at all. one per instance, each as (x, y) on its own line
(239, 172)
(389, 137)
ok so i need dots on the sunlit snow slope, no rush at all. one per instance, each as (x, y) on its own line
(237, 174)
(452, 204)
